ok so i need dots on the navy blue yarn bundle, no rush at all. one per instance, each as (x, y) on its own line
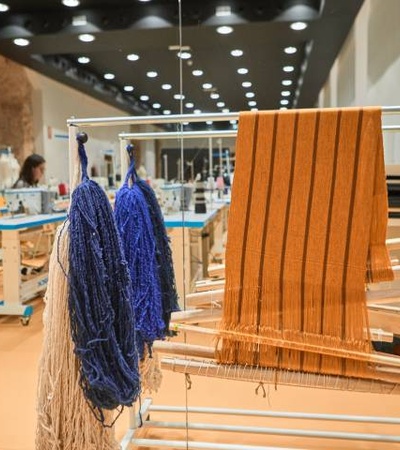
(164, 254)
(101, 313)
(136, 231)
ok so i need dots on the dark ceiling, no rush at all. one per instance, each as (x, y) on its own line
(261, 29)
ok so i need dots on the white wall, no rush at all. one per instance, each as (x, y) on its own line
(53, 104)
(367, 70)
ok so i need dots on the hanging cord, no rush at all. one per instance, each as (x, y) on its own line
(136, 230)
(101, 315)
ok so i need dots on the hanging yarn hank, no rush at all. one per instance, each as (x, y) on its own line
(136, 231)
(101, 315)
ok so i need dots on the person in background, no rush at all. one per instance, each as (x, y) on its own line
(31, 172)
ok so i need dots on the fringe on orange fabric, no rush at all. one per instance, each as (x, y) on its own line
(307, 227)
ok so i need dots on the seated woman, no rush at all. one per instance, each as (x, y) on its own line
(31, 172)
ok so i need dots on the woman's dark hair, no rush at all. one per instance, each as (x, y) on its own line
(30, 163)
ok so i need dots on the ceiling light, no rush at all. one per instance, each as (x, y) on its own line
(226, 110)
(285, 93)
(288, 68)
(283, 108)
(290, 50)
(254, 109)
(128, 88)
(209, 122)
(214, 95)
(156, 105)
(224, 29)
(21, 42)
(252, 103)
(250, 94)
(86, 37)
(220, 104)
(179, 97)
(184, 55)
(185, 123)
(237, 52)
(144, 98)
(207, 86)
(246, 84)
(83, 60)
(144, 1)
(287, 82)
(70, 3)
(166, 86)
(223, 11)
(298, 26)
(284, 102)
(4, 7)
(79, 21)
(197, 111)
(189, 105)
(109, 76)
(197, 73)
(152, 74)
(167, 112)
(132, 57)
(243, 71)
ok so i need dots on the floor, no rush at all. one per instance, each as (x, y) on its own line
(19, 351)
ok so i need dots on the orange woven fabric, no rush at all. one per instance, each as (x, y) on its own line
(307, 227)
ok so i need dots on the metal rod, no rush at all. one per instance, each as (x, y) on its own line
(277, 414)
(391, 128)
(178, 135)
(276, 431)
(124, 159)
(191, 445)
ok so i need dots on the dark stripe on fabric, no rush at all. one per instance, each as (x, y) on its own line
(246, 226)
(307, 227)
(329, 222)
(287, 217)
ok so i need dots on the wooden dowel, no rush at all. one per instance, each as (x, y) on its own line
(177, 348)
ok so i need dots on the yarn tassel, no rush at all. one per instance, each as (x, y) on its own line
(136, 230)
(101, 314)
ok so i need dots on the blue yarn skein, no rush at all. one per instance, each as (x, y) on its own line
(164, 254)
(101, 314)
(136, 231)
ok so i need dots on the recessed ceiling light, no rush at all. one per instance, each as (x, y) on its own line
(144, 1)
(83, 60)
(284, 102)
(21, 42)
(128, 88)
(166, 86)
(252, 103)
(209, 122)
(298, 26)
(285, 93)
(224, 29)
(70, 3)
(185, 123)
(290, 50)
(184, 55)
(179, 97)
(288, 69)
(86, 37)
(156, 105)
(220, 104)
(4, 7)
(226, 110)
(197, 111)
(167, 112)
(79, 21)
(243, 71)
(109, 76)
(250, 94)
(207, 86)
(189, 105)
(197, 73)
(144, 98)
(223, 11)
(152, 74)
(246, 84)
(287, 82)
(214, 95)
(132, 57)
(237, 52)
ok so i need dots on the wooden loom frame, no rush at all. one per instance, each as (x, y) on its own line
(129, 436)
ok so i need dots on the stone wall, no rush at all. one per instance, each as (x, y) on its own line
(16, 111)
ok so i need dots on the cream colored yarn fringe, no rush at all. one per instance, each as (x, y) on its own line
(65, 421)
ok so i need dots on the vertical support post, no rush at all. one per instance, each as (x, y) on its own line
(124, 158)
